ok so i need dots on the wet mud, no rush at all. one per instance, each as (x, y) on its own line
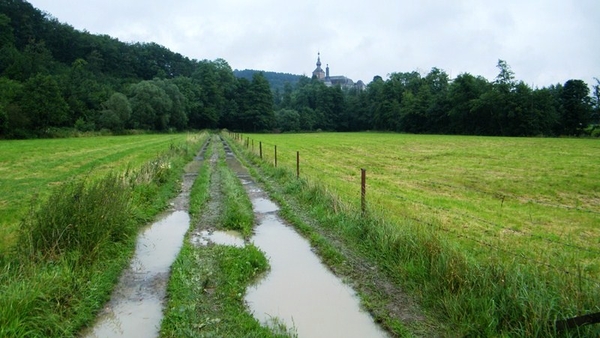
(136, 305)
(298, 291)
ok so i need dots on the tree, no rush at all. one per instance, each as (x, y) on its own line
(463, 90)
(260, 115)
(116, 113)
(212, 95)
(150, 106)
(506, 77)
(177, 115)
(575, 107)
(595, 118)
(193, 103)
(14, 123)
(6, 32)
(42, 103)
(287, 120)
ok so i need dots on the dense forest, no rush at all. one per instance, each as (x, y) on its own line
(56, 80)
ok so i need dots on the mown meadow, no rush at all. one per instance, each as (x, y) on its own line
(70, 213)
(30, 169)
(495, 234)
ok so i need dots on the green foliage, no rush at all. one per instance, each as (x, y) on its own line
(237, 213)
(288, 120)
(116, 113)
(6, 36)
(277, 81)
(79, 218)
(150, 106)
(43, 104)
(206, 95)
(576, 107)
(76, 242)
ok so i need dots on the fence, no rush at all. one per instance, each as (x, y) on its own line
(362, 192)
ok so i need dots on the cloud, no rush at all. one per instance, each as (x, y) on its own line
(544, 42)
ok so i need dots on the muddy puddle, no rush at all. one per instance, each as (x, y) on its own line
(299, 291)
(135, 308)
(136, 305)
(230, 238)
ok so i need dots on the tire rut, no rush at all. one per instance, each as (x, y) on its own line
(213, 209)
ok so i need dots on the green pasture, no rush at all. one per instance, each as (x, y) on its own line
(30, 168)
(523, 200)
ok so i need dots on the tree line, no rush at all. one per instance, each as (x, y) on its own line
(433, 103)
(55, 78)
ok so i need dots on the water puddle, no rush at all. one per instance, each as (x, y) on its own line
(135, 309)
(299, 291)
(230, 238)
(263, 205)
(136, 304)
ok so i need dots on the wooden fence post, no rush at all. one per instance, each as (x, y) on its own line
(275, 156)
(260, 148)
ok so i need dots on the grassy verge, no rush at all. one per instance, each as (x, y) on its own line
(34, 168)
(533, 200)
(208, 283)
(474, 297)
(74, 244)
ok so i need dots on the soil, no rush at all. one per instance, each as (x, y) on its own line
(212, 210)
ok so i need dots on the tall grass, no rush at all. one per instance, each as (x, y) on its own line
(476, 297)
(36, 167)
(74, 244)
(80, 217)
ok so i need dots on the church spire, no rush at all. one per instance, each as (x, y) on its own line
(318, 72)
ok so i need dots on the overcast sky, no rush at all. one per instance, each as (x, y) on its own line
(544, 41)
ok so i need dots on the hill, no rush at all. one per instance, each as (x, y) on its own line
(276, 80)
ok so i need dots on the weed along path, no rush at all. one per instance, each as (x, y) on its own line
(136, 305)
(298, 290)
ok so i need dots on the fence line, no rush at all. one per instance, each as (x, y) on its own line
(520, 256)
(560, 325)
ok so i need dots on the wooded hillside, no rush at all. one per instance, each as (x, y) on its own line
(56, 81)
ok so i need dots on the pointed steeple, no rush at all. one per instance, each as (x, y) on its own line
(318, 72)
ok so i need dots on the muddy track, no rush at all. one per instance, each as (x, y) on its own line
(136, 304)
(211, 212)
(389, 300)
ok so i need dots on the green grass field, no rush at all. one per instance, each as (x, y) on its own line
(32, 167)
(526, 200)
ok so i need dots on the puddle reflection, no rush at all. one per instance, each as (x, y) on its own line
(230, 238)
(301, 292)
(135, 308)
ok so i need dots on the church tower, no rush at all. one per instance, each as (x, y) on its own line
(318, 72)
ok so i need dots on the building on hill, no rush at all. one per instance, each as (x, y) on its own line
(340, 80)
